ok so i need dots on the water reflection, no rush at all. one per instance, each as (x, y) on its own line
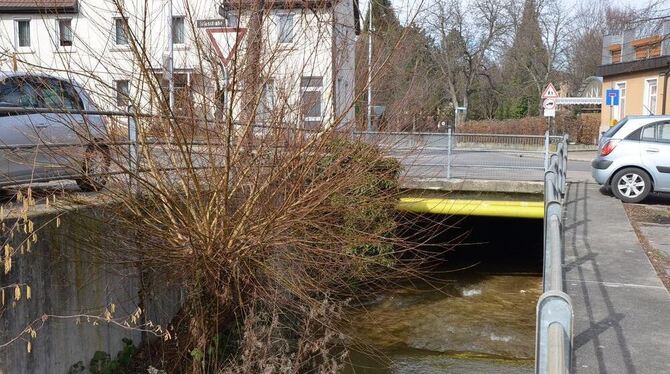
(479, 320)
(482, 324)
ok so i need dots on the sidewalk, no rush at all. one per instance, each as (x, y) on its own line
(582, 155)
(622, 310)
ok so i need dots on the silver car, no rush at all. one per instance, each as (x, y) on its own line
(634, 158)
(46, 134)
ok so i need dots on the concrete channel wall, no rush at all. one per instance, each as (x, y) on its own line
(66, 279)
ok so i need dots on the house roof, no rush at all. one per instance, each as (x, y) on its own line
(38, 6)
(656, 63)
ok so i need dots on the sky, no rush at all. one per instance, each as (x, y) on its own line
(408, 8)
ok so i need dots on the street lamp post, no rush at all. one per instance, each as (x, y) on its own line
(370, 66)
(170, 62)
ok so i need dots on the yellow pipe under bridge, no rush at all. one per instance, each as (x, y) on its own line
(487, 208)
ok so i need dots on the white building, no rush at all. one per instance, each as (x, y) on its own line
(307, 56)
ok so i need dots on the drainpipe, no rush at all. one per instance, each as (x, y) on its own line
(665, 87)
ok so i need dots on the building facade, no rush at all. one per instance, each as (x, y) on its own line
(111, 46)
(636, 64)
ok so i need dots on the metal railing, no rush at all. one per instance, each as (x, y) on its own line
(126, 148)
(467, 156)
(554, 323)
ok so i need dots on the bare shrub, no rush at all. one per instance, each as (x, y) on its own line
(583, 128)
(268, 218)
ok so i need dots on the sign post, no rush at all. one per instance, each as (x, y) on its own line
(549, 104)
(612, 97)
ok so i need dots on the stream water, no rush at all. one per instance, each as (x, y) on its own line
(477, 320)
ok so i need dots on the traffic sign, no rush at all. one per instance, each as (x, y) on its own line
(549, 91)
(549, 104)
(225, 41)
(550, 112)
(612, 97)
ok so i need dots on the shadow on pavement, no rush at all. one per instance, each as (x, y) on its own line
(596, 300)
(655, 198)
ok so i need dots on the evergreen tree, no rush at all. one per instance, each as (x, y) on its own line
(384, 18)
(525, 67)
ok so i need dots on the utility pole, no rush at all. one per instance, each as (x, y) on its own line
(370, 66)
(170, 64)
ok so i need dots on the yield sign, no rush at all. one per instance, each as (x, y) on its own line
(226, 41)
(549, 92)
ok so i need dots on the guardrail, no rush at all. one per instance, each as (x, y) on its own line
(554, 324)
(463, 155)
(127, 141)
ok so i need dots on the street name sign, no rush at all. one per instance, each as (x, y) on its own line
(205, 23)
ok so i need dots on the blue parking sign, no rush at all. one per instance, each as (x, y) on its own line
(612, 97)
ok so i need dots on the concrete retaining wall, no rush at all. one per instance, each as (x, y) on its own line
(68, 280)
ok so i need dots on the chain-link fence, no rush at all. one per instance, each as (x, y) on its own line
(467, 156)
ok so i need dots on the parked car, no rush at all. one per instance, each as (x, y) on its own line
(45, 136)
(634, 158)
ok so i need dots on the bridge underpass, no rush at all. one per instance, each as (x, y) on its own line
(509, 176)
(619, 322)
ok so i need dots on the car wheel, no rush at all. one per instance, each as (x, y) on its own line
(95, 168)
(631, 185)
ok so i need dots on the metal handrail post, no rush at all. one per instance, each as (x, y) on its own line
(560, 149)
(546, 150)
(565, 163)
(449, 135)
(133, 148)
(555, 358)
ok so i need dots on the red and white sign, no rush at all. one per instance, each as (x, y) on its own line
(549, 104)
(226, 41)
(549, 92)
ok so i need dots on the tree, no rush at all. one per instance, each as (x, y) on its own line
(465, 43)
(403, 71)
(526, 66)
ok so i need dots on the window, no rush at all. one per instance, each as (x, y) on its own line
(65, 35)
(57, 94)
(650, 95)
(267, 102)
(122, 93)
(649, 133)
(183, 97)
(232, 19)
(310, 101)
(285, 28)
(23, 33)
(663, 133)
(178, 30)
(17, 92)
(120, 36)
(620, 111)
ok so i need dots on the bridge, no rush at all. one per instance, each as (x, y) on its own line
(471, 174)
(520, 176)
(526, 177)
(603, 308)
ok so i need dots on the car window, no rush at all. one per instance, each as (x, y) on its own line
(663, 133)
(55, 95)
(649, 133)
(18, 92)
(613, 130)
